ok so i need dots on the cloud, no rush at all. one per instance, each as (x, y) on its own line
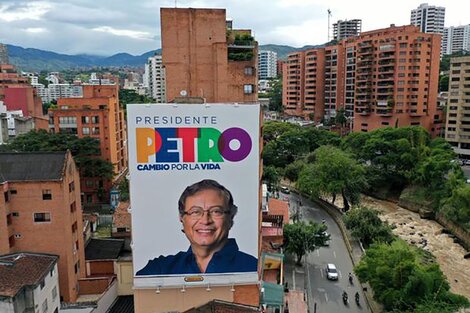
(35, 30)
(10, 12)
(124, 32)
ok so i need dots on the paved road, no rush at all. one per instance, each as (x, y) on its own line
(324, 296)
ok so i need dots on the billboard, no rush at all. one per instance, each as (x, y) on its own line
(194, 188)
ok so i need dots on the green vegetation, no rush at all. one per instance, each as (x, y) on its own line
(301, 238)
(405, 278)
(333, 172)
(123, 189)
(130, 96)
(366, 226)
(84, 150)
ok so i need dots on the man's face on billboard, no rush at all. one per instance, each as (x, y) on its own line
(211, 229)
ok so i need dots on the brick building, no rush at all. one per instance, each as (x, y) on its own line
(385, 77)
(97, 114)
(41, 212)
(204, 57)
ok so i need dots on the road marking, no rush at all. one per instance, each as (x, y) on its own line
(334, 254)
(326, 297)
(339, 274)
(293, 278)
(321, 273)
(318, 252)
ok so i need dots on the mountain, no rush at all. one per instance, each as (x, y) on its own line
(36, 60)
(283, 51)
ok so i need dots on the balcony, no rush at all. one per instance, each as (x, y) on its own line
(363, 111)
(388, 112)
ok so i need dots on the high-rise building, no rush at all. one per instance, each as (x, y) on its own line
(3, 54)
(41, 212)
(155, 78)
(267, 64)
(96, 114)
(429, 18)
(204, 58)
(457, 131)
(347, 28)
(456, 39)
(385, 77)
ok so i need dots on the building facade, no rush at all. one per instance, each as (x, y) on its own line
(429, 18)
(457, 131)
(347, 28)
(96, 114)
(385, 77)
(41, 212)
(456, 39)
(30, 283)
(267, 64)
(203, 57)
(3, 54)
(155, 78)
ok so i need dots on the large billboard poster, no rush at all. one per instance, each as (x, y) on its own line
(194, 184)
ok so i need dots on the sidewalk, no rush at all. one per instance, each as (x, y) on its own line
(295, 278)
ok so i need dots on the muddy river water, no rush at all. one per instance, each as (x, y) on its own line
(428, 235)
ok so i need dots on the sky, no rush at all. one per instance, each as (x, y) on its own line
(106, 27)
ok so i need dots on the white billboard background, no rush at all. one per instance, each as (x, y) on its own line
(156, 229)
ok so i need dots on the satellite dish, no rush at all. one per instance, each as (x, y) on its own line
(183, 93)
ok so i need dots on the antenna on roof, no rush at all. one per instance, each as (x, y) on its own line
(329, 15)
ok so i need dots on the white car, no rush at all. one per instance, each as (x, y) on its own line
(331, 272)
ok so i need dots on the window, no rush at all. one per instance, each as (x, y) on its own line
(77, 267)
(95, 119)
(6, 195)
(247, 89)
(249, 70)
(11, 241)
(74, 227)
(73, 207)
(54, 293)
(89, 183)
(85, 119)
(13, 191)
(95, 130)
(67, 120)
(46, 194)
(42, 217)
(86, 130)
(71, 186)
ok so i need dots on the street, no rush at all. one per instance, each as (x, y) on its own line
(323, 295)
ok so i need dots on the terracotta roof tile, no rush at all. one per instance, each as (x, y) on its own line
(121, 217)
(23, 269)
(279, 207)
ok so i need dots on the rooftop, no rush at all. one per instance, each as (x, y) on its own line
(20, 270)
(31, 166)
(103, 249)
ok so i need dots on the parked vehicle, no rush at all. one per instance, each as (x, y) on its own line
(285, 190)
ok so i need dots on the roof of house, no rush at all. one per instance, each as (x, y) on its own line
(219, 306)
(32, 166)
(103, 249)
(121, 217)
(123, 304)
(279, 207)
(21, 270)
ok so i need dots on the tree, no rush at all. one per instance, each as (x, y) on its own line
(366, 226)
(130, 96)
(272, 177)
(301, 238)
(457, 206)
(293, 170)
(403, 277)
(333, 172)
(123, 189)
(275, 101)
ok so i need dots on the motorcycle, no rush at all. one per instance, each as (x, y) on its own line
(351, 279)
(357, 298)
(345, 298)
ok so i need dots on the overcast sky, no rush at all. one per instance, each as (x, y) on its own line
(106, 27)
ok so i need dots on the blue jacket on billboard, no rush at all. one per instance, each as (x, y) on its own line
(228, 260)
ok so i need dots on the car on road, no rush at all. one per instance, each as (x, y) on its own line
(285, 190)
(331, 271)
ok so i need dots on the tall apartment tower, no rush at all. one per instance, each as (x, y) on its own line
(155, 78)
(40, 211)
(385, 77)
(203, 57)
(347, 28)
(429, 19)
(267, 64)
(457, 131)
(456, 39)
(3, 54)
(96, 114)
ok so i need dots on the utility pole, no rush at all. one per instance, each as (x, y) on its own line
(329, 15)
